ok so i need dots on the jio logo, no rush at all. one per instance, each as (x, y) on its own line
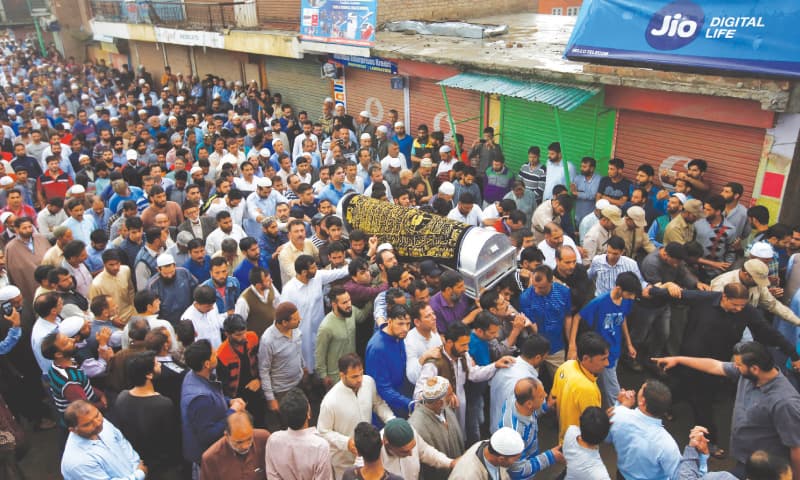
(675, 26)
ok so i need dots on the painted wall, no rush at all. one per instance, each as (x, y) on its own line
(547, 6)
(776, 185)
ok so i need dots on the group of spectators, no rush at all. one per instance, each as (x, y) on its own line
(181, 299)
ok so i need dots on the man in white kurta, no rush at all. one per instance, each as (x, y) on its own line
(349, 402)
(305, 291)
(408, 466)
(207, 321)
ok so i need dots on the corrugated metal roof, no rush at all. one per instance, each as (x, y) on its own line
(561, 95)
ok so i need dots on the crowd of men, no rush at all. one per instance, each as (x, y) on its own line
(181, 299)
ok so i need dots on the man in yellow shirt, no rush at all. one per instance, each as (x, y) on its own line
(575, 385)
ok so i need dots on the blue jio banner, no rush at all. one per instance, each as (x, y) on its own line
(760, 37)
(345, 22)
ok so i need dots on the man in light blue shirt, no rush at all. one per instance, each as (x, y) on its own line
(501, 386)
(337, 188)
(96, 449)
(261, 205)
(81, 225)
(584, 187)
(521, 413)
(606, 267)
(645, 449)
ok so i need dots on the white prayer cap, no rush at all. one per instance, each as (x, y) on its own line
(507, 442)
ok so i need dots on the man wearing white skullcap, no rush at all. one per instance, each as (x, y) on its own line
(437, 424)
(490, 459)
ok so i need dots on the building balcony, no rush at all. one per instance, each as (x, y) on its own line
(206, 16)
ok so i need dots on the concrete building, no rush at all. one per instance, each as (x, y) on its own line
(518, 82)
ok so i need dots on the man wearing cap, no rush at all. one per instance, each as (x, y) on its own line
(637, 242)
(403, 140)
(456, 364)
(381, 142)
(174, 286)
(404, 450)
(338, 415)
(363, 125)
(754, 274)
(437, 424)
(490, 459)
(180, 250)
(657, 228)
(716, 323)
(681, 229)
(595, 242)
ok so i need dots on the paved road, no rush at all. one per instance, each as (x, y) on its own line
(42, 462)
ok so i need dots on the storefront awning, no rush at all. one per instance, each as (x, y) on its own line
(564, 96)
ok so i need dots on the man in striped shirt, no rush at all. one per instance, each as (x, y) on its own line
(606, 267)
(534, 174)
(521, 413)
(68, 382)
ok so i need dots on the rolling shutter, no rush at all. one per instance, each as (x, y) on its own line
(427, 106)
(178, 58)
(222, 63)
(299, 83)
(370, 91)
(151, 57)
(587, 130)
(733, 152)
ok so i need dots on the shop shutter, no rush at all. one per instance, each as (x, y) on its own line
(371, 91)
(284, 15)
(221, 63)
(151, 57)
(178, 58)
(733, 152)
(427, 106)
(299, 83)
(587, 131)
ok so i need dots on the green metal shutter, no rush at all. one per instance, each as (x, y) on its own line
(299, 83)
(586, 131)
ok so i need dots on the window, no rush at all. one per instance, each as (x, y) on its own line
(558, 11)
(573, 11)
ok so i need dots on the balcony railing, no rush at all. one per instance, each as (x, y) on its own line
(208, 16)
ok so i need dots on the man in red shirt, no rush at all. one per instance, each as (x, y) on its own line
(52, 183)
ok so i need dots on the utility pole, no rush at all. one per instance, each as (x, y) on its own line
(35, 18)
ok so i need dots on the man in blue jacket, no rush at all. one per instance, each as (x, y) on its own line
(204, 408)
(386, 360)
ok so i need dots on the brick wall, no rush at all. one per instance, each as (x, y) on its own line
(389, 10)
